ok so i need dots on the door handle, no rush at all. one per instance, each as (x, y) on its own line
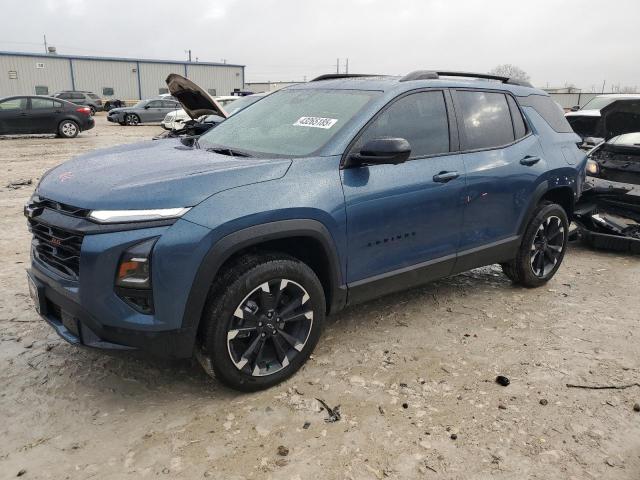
(529, 160)
(444, 177)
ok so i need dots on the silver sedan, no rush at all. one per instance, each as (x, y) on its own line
(145, 111)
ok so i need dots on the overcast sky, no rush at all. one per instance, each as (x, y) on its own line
(581, 42)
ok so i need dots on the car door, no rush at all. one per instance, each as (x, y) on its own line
(503, 161)
(153, 112)
(14, 115)
(403, 221)
(44, 115)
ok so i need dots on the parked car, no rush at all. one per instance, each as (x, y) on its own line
(145, 111)
(38, 114)
(81, 97)
(605, 117)
(319, 196)
(176, 120)
(608, 214)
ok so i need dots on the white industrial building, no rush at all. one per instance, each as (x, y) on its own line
(122, 78)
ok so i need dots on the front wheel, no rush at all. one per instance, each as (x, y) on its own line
(542, 249)
(263, 319)
(131, 119)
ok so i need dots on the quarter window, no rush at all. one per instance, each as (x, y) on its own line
(420, 118)
(486, 119)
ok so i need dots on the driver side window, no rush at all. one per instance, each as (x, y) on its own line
(420, 118)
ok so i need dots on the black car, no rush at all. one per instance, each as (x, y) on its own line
(36, 114)
(81, 97)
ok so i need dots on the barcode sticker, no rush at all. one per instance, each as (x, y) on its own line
(316, 122)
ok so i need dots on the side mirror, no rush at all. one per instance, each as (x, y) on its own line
(147, 107)
(382, 151)
(575, 108)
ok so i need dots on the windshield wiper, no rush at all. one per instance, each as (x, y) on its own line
(228, 151)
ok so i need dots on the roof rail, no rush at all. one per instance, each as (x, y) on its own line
(334, 76)
(432, 75)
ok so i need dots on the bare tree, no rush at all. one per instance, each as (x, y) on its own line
(510, 71)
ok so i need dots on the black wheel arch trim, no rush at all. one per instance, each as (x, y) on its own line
(232, 243)
(541, 190)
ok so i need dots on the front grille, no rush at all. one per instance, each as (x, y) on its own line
(57, 248)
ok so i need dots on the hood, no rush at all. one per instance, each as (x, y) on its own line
(119, 109)
(195, 101)
(153, 174)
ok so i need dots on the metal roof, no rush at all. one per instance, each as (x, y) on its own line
(116, 59)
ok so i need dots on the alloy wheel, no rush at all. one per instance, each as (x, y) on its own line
(69, 129)
(547, 246)
(270, 327)
(132, 120)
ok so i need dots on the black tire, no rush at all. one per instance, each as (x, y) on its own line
(543, 246)
(233, 322)
(68, 129)
(121, 123)
(93, 110)
(131, 119)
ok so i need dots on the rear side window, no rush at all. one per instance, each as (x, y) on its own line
(42, 103)
(77, 96)
(486, 119)
(168, 104)
(64, 96)
(549, 110)
(519, 127)
(94, 96)
(420, 118)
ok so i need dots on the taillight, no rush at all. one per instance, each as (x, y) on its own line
(85, 110)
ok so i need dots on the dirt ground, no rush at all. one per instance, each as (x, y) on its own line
(413, 374)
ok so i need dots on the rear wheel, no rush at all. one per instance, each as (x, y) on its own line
(68, 129)
(93, 110)
(263, 320)
(131, 119)
(542, 249)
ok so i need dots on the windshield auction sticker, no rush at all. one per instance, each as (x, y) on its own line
(316, 122)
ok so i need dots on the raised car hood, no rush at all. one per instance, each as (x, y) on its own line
(195, 101)
(152, 174)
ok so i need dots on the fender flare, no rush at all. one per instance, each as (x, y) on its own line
(232, 243)
(541, 190)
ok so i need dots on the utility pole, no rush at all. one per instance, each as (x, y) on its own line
(45, 44)
(346, 68)
(338, 66)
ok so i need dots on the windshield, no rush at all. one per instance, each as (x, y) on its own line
(289, 122)
(598, 103)
(242, 103)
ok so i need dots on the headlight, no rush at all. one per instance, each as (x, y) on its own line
(123, 216)
(593, 168)
(133, 277)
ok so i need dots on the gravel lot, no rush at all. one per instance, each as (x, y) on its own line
(413, 374)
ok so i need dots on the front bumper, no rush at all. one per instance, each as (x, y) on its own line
(115, 117)
(77, 326)
(87, 310)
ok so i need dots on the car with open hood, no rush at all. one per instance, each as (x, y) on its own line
(605, 117)
(319, 196)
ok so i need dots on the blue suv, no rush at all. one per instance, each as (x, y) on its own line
(234, 246)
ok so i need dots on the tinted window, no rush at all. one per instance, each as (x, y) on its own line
(40, 103)
(77, 96)
(96, 97)
(519, 126)
(486, 119)
(549, 110)
(64, 95)
(14, 104)
(167, 104)
(155, 104)
(42, 90)
(420, 118)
